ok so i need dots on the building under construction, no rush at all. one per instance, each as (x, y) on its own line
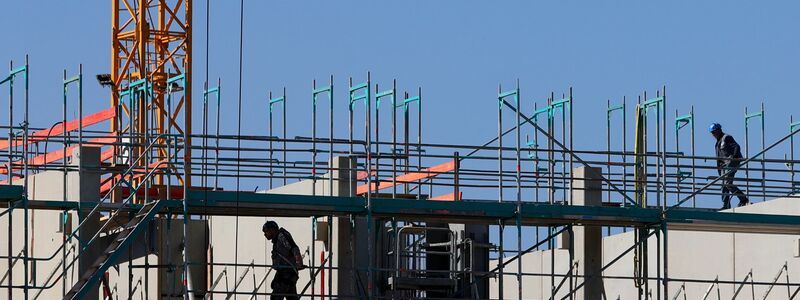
(132, 202)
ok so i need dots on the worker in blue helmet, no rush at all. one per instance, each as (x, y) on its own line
(286, 260)
(729, 156)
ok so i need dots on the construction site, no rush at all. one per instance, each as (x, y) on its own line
(134, 202)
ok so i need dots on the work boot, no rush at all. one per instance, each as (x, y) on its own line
(744, 202)
(725, 205)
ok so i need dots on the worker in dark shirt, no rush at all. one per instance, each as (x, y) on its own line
(286, 261)
(729, 156)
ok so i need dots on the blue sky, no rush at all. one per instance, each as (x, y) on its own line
(716, 55)
(719, 56)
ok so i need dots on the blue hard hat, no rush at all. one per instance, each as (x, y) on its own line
(714, 127)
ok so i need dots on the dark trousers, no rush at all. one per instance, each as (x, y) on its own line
(284, 286)
(729, 189)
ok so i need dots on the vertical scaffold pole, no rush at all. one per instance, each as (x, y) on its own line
(747, 118)
(763, 159)
(664, 146)
(571, 106)
(624, 151)
(659, 104)
(204, 141)
(500, 185)
(680, 123)
(315, 93)
(366, 98)
(666, 259)
(13, 143)
(66, 82)
(519, 191)
(792, 126)
(273, 102)
(407, 102)
(694, 160)
(10, 173)
(25, 182)
(609, 112)
(378, 96)
(515, 95)
(370, 225)
(217, 93)
(550, 153)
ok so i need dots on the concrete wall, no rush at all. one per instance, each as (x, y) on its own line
(692, 255)
(45, 236)
(253, 246)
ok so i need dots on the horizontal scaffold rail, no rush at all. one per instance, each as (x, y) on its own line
(230, 203)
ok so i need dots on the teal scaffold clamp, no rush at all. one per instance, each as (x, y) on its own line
(512, 93)
(275, 101)
(562, 104)
(657, 102)
(794, 126)
(795, 185)
(409, 101)
(214, 90)
(551, 109)
(355, 97)
(531, 145)
(612, 109)
(381, 95)
(318, 91)
(682, 121)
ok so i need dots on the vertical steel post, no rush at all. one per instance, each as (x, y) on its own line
(666, 259)
(330, 151)
(664, 144)
(519, 191)
(608, 147)
(370, 225)
(419, 139)
(10, 182)
(271, 137)
(624, 152)
(571, 106)
(285, 174)
(694, 160)
(680, 123)
(394, 139)
(25, 182)
(763, 158)
(272, 103)
(500, 184)
(792, 126)
(746, 150)
(204, 141)
(313, 145)
(747, 117)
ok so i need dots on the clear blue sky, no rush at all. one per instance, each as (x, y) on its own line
(716, 55)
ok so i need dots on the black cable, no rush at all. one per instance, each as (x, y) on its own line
(239, 132)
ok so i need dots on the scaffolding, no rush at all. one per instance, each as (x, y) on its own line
(149, 173)
(425, 169)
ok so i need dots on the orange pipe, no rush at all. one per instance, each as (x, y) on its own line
(447, 197)
(71, 125)
(410, 177)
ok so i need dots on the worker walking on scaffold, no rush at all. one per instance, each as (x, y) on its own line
(729, 156)
(286, 261)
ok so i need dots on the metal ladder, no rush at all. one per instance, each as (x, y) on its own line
(112, 252)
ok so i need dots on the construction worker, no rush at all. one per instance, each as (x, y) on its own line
(729, 156)
(286, 261)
